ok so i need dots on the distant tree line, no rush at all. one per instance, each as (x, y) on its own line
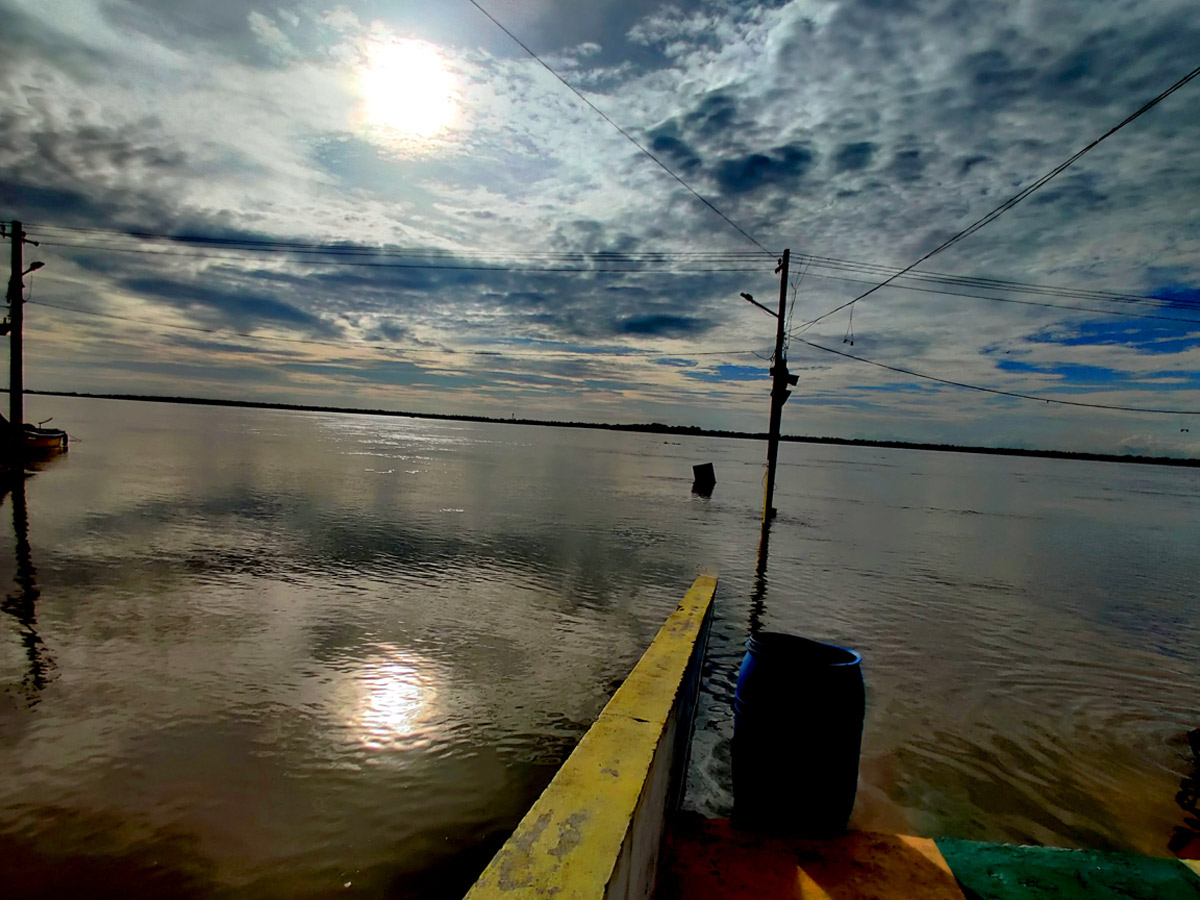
(649, 428)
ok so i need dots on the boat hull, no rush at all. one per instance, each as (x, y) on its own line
(44, 440)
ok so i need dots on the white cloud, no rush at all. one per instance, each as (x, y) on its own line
(271, 36)
(826, 126)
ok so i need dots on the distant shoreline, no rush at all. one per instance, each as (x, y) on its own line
(647, 428)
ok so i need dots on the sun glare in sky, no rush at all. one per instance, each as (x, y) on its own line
(407, 90)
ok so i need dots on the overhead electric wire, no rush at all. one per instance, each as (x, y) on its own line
(351, 248)
(1092, 309)
(631, 271)
(638, 261)
(988, 390)
(579, 269)
(1016, 198)
(623, 132)
(828, 262)
(358, 248)
(380, 345)
(622, 352)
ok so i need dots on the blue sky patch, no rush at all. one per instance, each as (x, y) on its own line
(1071, 373)
(730, 373)
(1143, 335)
(1181, 297)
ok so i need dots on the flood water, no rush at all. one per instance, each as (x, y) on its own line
(278, 654)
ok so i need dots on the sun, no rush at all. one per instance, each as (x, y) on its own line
(407, 90)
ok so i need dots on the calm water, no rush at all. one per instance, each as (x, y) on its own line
(285, 655)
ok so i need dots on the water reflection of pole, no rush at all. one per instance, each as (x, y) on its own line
(21, 603)
(758, 595)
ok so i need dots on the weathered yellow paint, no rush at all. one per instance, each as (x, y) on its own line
(575, 841)
(1193, 864)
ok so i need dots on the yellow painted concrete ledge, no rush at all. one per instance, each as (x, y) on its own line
(596, 831)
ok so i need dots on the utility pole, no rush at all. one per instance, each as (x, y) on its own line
(16, 381)
(779, 388)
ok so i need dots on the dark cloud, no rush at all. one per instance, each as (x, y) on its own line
(971, 162)
(994, 80)
(678, 153)
(50, 204)
(241, 306)
(219, 346)
(388, 331)
(73, 173)
(714, 140)
(908, 165)
(167, 378)
(1077, 191)
(714, 118)
(662, 326)
(855, 156)
(395, 372)
(783, 166)
(527, 299)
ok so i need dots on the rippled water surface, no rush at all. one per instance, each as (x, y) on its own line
(274, 654)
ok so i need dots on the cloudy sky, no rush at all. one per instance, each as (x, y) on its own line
(402, 209)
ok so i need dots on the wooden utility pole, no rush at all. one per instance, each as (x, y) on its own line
(779, 389)
(16, 381)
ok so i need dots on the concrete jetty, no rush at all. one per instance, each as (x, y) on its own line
(597, 830)
(607, 827)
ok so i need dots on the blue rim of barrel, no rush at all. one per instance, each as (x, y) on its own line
(816, 654)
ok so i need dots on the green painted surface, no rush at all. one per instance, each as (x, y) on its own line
(1005, 872)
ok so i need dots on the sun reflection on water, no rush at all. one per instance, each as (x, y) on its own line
(397, 699)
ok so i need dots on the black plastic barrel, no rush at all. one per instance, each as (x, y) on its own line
(798, 718)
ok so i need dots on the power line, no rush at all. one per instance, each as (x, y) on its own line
(724, 261)
(988, 390)
(623, 132)
(335, 261)
(358, 248)
(622, 352)
(683, 272)
(828, 262)
(379, 345)
(931, 290)
(1017, 197)
(845, 265)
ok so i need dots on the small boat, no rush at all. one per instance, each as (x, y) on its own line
(35, 440)
(44, 440)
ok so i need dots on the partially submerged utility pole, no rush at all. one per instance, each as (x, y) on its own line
(779, 388)
(16, 313)
(16, 294)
